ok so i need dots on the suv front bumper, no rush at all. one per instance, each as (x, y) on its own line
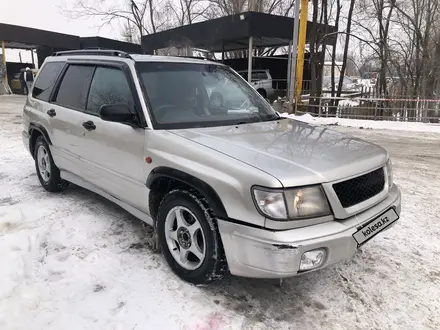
(264, 253)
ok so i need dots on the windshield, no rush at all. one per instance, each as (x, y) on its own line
(185, 95)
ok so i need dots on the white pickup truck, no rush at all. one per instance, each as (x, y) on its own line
(261, 81)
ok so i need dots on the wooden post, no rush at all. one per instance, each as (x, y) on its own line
(3, 52)
(6, 84)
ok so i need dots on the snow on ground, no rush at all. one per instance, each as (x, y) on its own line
(373, 124)
(76, 261)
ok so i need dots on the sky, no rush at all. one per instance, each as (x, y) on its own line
(47, 15)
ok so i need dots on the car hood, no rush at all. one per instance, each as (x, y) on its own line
(294, 152)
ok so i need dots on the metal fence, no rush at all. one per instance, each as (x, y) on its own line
(396, 109)
(280, 88)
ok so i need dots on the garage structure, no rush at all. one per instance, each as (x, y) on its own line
(45, 43)
(234, 32)
(244, 31)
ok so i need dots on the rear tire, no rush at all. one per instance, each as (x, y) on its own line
(47, 172)
(192, 245)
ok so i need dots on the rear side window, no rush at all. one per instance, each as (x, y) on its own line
(109, 86)
(74, 87)
(46, 80)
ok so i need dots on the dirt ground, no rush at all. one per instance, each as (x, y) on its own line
(74, 260)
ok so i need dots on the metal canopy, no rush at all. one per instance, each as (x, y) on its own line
(105, 43)
(233, 33)
(19, 45)
(26, 38)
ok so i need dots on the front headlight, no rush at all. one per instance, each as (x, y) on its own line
(306, 202)
(301, 203)
(390, 173)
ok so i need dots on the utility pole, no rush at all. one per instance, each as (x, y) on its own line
(292, 71)
(301, 48)
(251, 46)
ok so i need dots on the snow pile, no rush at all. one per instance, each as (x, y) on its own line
(348, 103)
(367, 124)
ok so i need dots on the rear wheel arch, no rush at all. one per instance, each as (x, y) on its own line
(163, 179)
(36, 130)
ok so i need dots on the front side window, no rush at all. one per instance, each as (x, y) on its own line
(109, 86)
(75, 86)
(183, 95)
(46, 80)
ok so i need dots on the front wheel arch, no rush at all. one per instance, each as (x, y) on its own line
(163, 179)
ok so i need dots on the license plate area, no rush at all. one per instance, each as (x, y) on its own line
(375, 226)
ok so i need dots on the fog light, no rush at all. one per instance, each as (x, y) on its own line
(312, 259)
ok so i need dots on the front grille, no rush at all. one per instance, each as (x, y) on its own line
(361, 188)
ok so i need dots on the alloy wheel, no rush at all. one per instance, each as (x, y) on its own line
(185, 238)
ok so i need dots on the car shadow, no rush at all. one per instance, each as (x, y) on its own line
(268, 300)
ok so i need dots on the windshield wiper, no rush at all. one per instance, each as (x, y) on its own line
(273, 119)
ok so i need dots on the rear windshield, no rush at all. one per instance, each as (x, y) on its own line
(185, 95)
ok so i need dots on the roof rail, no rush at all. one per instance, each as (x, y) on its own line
(194, 57)
(95, 51)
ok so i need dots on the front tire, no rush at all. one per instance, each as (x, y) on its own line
(189, 237)
(47, 172)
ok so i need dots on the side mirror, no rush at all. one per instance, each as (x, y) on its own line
(119, 113)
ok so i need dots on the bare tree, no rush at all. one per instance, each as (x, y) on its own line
(346, 47)
(333, 67)
(129, 33)
(374, 20)
(403, 38)
(144, 15)
(185, 12)
(227, 7)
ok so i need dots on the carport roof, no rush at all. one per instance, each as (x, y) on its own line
(233, 32)
(27, 38)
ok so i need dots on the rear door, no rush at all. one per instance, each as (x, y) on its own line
(114, 152)
(66, 115)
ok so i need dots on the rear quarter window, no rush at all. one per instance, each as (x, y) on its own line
(46, 80)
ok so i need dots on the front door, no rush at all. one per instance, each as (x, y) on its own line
(114, 152)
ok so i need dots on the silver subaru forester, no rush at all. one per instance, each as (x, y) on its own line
(189, 147)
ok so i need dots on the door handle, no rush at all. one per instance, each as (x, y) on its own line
(51, 113)
(89, 125)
